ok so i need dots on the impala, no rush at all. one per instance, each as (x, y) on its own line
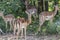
(30, 9)
(43, 16)
(20, 24)
(8, 18)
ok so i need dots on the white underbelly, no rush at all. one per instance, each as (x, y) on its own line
(22, 26)
(48, 17)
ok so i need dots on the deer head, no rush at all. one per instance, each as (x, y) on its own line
(30, 9)
(56, 9)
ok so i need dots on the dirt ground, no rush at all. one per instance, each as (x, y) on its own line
(31, 37)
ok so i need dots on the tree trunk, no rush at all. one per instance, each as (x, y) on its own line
(46, 5)
(34, 3)
(40, 6)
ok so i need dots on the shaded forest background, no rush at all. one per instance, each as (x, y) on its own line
(17, 8)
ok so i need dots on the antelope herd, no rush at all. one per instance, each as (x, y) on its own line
(21, 23)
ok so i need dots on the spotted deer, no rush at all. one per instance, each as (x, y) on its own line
(7, 18)
(20, 24)
(43, 16)
(30, 9)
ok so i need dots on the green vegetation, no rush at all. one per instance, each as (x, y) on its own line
(17, 8)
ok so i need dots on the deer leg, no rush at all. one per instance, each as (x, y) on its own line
(41, 21)
(13, 23)
(17, 34)
(10, 26)
(21, 32)
(39, 29)
(14, 28)
(14, 31)
(6, 26)
(18, 30)
(25, 33)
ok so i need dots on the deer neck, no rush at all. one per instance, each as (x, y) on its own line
(29, 18)
(55, 12)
